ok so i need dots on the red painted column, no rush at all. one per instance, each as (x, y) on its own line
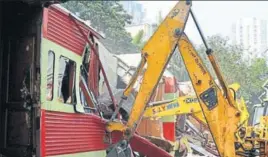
(169, 128)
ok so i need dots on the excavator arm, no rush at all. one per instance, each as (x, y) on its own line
(221, 116)
(179, 106)
(155, 54)
(190, 105)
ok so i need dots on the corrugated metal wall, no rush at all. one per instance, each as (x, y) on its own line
(58, 28)
(66, 133)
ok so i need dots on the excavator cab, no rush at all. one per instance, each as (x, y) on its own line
(258, 111)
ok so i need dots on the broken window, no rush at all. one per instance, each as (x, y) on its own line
(86, 56)
(85, 65)
(84, 73)
(66, 91)
(82, 98)
(50, 75)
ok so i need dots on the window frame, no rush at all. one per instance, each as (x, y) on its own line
(73, 88)
(53, 75)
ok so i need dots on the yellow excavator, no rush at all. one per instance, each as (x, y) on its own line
(217, 103)
(256, 134)
(260, 111)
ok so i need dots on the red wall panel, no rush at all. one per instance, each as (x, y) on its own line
(65, 133)
(94, 73)
(148, 127)
(170, 85)
(142, 145)
(59, 28)
(169, 131)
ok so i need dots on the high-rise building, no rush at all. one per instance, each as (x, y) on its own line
(251, 34)
(134, 9)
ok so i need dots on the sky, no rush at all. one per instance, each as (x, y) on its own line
(214, 17)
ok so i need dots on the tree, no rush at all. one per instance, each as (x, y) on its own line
(235, 68)
(138, 37)
(108, 17)
(258, 71)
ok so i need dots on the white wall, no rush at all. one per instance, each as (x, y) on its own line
(109, 64)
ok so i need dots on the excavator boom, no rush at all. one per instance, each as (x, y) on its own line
(179, 106)
(222, 118)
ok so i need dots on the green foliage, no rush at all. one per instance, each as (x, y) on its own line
(236, 68)
(258, 72)
(137, 39)
(108, 17)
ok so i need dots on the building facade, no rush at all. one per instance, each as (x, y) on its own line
(134, 9)
(251, 34)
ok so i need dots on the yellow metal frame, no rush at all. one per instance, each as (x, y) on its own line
(222, 118)
(181, 105)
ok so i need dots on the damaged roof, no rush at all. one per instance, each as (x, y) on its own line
(99, 35)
